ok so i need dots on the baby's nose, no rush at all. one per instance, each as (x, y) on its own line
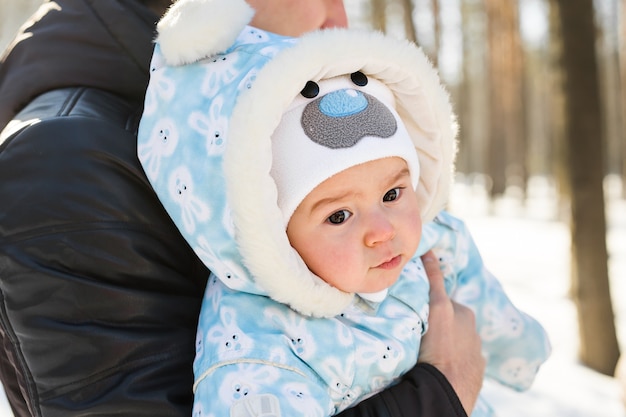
(379, 230)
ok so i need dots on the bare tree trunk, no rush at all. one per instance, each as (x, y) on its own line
(537, 104)
(611, 89)
(464, 108)
(506, 93)
(583, 131)
(517, 148)
(496, 162)
(623, 84)
(473, 100)
(436, 30)
(556, 100)
(409, 25)
(379, 15)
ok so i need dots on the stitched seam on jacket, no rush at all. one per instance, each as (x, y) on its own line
(70, 102)
(243, 360)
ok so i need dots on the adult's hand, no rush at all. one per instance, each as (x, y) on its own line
(452, 344)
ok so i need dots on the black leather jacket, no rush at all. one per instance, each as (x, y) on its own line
(99, 292)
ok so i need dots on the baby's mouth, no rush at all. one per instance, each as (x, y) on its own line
(391, 263)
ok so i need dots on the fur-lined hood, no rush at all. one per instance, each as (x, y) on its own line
(218, 90)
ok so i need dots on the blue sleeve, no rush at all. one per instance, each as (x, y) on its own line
(514, 343)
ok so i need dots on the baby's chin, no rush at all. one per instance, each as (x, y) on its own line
(382, 284)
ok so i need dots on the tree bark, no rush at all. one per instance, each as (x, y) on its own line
(622, 53)
(409, 25)
(436, 31)
(473, 109)
(584, 145)
(506, 136)
(379, 15)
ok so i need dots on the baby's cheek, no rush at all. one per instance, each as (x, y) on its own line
(345, 268)
(413, 232)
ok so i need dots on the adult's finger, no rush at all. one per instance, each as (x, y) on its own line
(435, 277)
(451, 343)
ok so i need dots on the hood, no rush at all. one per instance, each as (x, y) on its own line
(101, 44)
(205, 144)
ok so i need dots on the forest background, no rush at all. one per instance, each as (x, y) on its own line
(539, 87)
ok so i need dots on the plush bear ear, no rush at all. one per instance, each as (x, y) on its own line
(194, 29)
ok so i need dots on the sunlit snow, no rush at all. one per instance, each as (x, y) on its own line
(527, 247)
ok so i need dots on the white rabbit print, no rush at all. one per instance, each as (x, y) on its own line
(506, 322)
(181, 190)
(220, 71)
(299, 397)
(295, 327)
(211, 126)
(245, 379)
(161, 143)
(227, 335)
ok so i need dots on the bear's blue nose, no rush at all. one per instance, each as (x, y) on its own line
(343, 103)
(341, 118)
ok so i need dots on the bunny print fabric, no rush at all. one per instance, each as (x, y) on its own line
(249, 346)
(272, 338)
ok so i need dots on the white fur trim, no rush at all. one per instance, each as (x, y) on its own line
(194, 29)
(421, 102)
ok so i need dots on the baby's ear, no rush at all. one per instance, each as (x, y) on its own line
(195, 29)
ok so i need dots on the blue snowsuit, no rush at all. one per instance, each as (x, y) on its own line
(272, 337)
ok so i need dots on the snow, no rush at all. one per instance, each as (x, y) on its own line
(526, 245)
(528, 248)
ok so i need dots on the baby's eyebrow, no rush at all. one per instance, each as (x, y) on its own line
(402, 173)
(329, 200)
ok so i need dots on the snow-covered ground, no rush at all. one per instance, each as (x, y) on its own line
(527, 247)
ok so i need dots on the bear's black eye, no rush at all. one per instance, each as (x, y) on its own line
(359, 78)
(310, 90)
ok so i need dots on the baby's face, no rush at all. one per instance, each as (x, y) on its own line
(358, 229)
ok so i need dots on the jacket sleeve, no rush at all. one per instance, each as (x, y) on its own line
(514, 343)
(423, 392)
(100, 293)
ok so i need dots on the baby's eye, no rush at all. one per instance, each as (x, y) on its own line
(339, 217)
(392, 194)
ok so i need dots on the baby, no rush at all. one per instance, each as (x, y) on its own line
(310, 175)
